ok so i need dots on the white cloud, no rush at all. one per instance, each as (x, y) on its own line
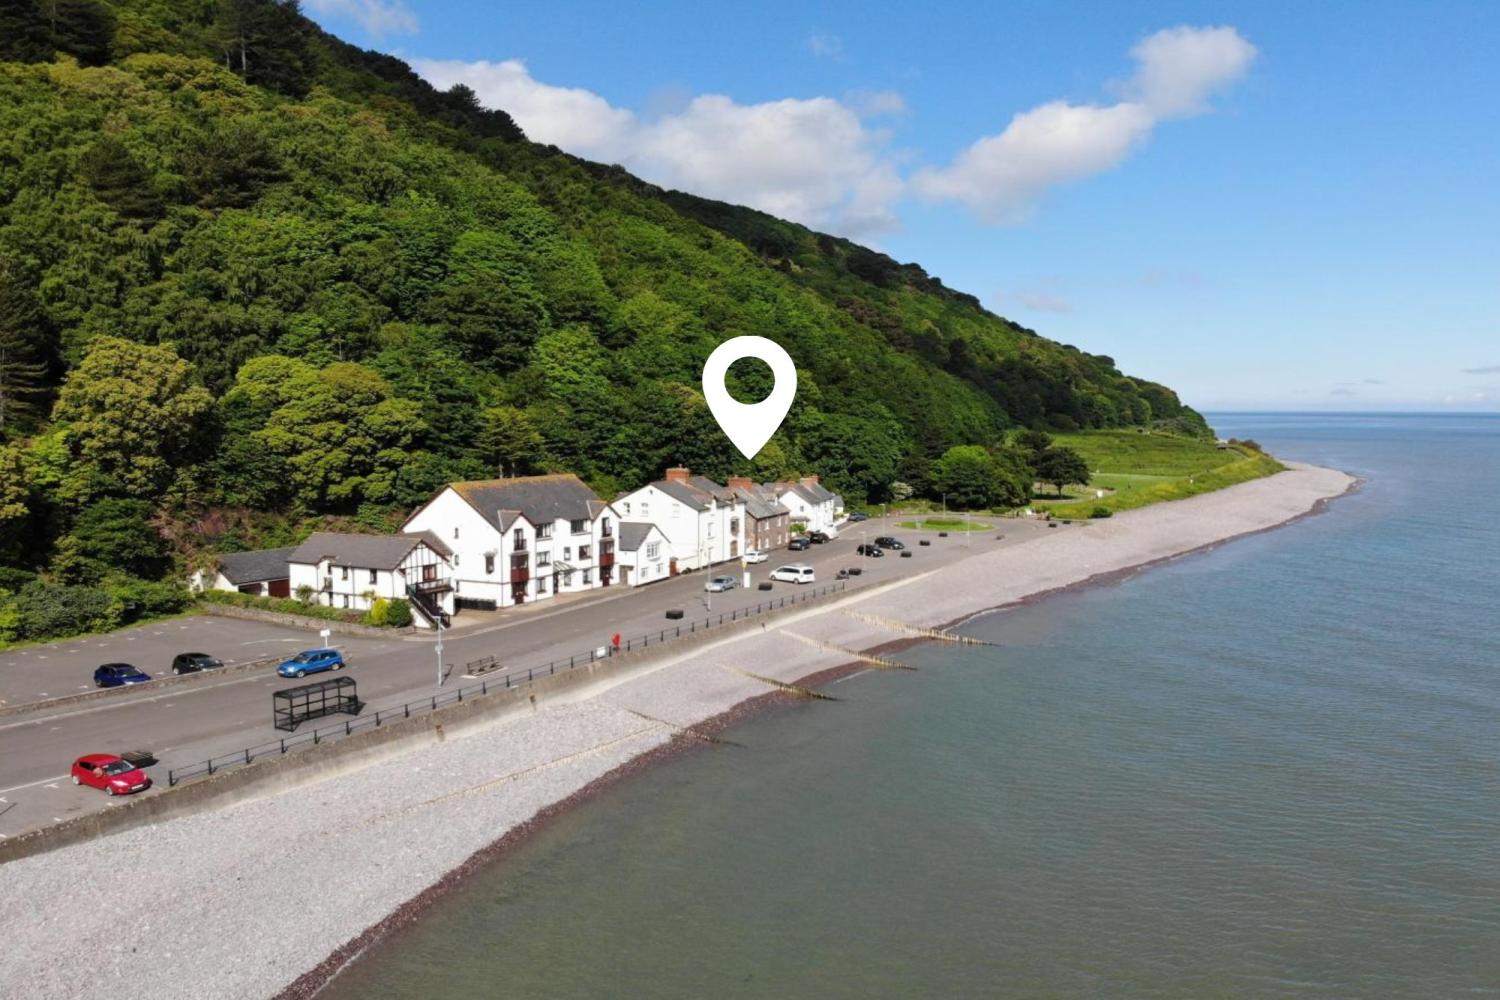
(811, 160)
(820, 162)
(378, 17)
(1000, 177)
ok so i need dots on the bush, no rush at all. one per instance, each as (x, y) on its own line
(52, 610)
(133, 599)
(1101, 512)
(14, 579)
(282, 605)
(379, 612)
(398, 613)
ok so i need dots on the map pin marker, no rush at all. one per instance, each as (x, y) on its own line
(749, 425)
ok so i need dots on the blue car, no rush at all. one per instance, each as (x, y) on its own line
(113, 675)
(311, 661)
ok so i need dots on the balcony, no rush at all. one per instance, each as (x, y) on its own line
(432, 587)
(606, 555)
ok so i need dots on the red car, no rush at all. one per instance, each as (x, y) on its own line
(113, 774)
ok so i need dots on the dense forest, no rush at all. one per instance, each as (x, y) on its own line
(251, 276)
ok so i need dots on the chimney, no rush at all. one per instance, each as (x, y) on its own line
(739, 482)
(678, 474)
(809, 480)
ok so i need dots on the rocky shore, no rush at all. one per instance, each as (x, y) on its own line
(271, 896)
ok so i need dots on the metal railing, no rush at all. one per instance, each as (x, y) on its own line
(501, 681)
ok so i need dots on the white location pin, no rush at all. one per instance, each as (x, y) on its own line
(749, 425)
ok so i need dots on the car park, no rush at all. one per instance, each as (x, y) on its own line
(113, 675)
(192, 663)
(719, 584)
(793, 573)
(311, 661)
(111, 773)
(756, 556)
(887, 542)
(870, 550)
(819, 537)
(797, 544)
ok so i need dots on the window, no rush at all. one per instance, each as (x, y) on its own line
(568, 552)
(541, 585)
(579, 527)
(567, 580)
(455, 532)
(645, 509)
(653, 551)
(585, 552)
(374, 576)
(675, 511)
(455, 559)
(606, 532)
(544, 531)
(343, 572)
(734, 526)
(489, 563)
(626, 505)
(587, 577)
(543, 559)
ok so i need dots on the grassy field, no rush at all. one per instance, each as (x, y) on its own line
(1139, 469)
(944, 524)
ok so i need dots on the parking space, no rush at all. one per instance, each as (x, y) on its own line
(37, 673)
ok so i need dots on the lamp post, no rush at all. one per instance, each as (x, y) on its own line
(440, 651)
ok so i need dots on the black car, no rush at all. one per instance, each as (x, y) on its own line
(857, 517)
(818, 537)
(870, 550)
(887, 542)
(798, 544)
(191, 663)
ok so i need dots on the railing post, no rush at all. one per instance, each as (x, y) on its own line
(247, 755)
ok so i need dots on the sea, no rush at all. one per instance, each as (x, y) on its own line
(1271, 769)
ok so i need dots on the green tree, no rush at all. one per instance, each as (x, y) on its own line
(113, 534)
(128, 415)
(969, 476)
(23, 32)
(23, 350)
(1062, 467)
(119, 180)
(509, 440)
(82, 28)
(1033, 443)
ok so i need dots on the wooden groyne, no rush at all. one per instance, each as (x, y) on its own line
(878, 662)
(917, 630)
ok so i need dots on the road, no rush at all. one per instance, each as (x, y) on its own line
(186, 724)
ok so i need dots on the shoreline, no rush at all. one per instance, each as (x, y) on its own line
(594, 739)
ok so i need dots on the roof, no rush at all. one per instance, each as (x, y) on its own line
(364, 551)
(633, 534)
(761, 503)
(698, 492)
(540, 499)
(255, 566)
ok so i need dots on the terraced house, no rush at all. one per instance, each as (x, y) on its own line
(522, 539)
(352, 571)
(703, 522)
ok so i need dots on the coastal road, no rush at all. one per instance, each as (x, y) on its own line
(185, 724)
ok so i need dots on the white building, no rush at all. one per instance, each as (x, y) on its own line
(811, 505)
(522, 539)
(643, 554)
(703, 522)
(353, 571)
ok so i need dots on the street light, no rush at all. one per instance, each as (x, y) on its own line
(440, 647)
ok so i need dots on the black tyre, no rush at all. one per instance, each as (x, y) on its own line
(301, 673)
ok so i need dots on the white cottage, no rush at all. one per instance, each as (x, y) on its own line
(643, 556)
(522, 539)
(811, 505)
(262, 572)
(703, 522)
(352, 571)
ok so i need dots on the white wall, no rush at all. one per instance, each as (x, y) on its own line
(691, 534)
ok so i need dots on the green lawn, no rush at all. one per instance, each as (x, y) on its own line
(1138, 469)
(944, 524)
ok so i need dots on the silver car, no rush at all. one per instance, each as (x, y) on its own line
(719, 584)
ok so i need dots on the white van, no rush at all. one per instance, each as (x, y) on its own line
(795, 573)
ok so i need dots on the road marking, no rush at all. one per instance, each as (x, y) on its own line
(52, 786)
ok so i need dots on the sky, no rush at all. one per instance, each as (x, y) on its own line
(1266, 205)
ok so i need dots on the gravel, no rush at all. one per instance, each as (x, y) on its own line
(240, 901)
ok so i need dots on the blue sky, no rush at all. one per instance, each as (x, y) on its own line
(1278, 205)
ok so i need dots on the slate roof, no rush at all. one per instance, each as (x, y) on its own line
(685, 492)
(633, 534)
(240, 568)
(540, 499)
(761, 503)
(811, 494)
(364, 551)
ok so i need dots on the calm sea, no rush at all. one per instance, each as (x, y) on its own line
(1270, 770)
